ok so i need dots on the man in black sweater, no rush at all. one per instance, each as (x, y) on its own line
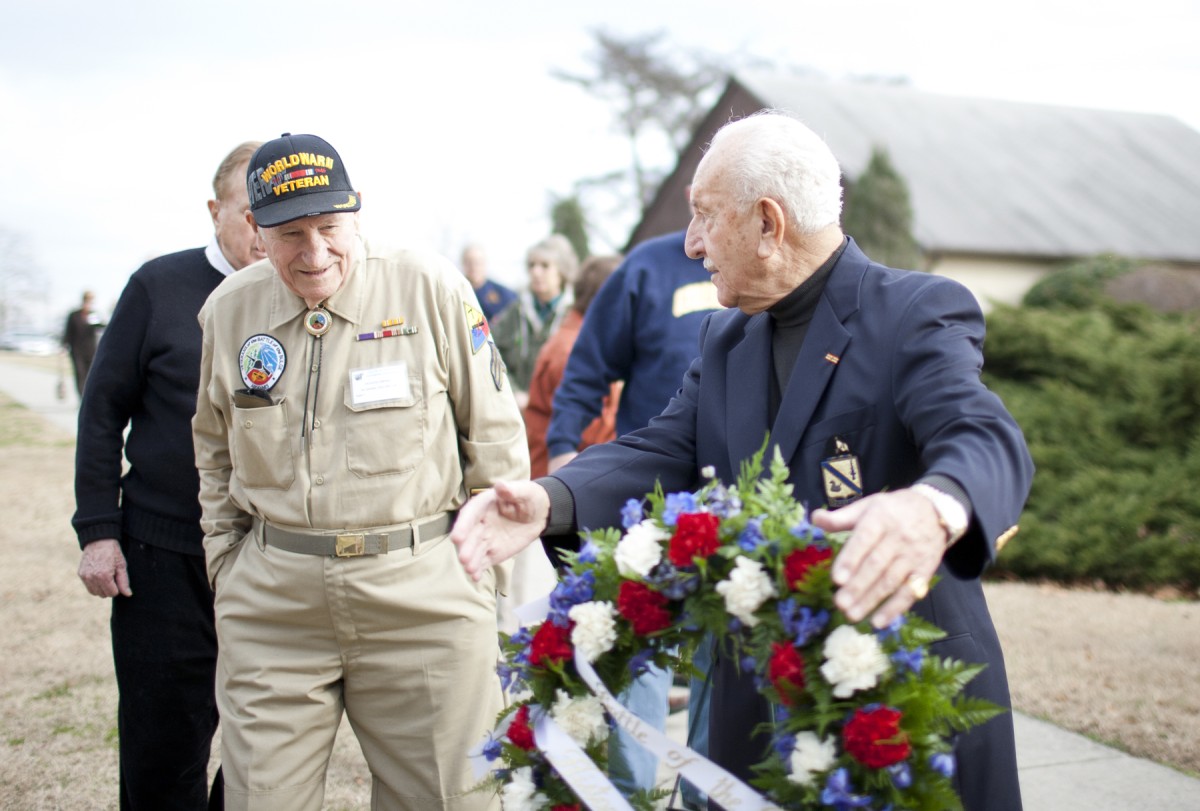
(142, 530)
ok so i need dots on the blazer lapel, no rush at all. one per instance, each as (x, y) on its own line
(823, 347)
(825, 344)
(746, 387)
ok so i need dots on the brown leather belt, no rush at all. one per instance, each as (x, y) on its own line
(350, 544)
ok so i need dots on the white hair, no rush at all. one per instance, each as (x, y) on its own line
(772, 154)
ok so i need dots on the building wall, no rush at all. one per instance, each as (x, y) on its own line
(994, 279)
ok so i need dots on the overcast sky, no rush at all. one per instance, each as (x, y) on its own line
(114, 115)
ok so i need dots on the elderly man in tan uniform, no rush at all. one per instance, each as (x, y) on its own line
(350, 400)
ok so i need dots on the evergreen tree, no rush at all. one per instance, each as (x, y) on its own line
(878, 214)
(567, 218)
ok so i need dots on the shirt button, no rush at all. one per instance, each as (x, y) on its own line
(320, 480)
(248, 423)
(316, 423)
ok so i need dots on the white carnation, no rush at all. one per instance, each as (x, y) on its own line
(747, 588)
(595, 630)
(520, 794)
(853, 661)
(641, 549)
(581, 718)
(811, 756)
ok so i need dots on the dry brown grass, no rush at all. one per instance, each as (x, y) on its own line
(1121, 668)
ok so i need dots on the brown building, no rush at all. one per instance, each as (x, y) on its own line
(1002, 192)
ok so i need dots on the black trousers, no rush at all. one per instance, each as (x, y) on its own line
(165, 652)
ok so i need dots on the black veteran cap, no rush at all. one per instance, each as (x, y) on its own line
(297, 176)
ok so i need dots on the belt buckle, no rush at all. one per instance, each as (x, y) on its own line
(350, 545)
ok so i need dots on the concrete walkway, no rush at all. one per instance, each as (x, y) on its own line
(1060, 771)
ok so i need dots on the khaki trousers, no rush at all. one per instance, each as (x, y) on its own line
(405, 645)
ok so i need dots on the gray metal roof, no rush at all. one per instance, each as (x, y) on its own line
(1000, 177)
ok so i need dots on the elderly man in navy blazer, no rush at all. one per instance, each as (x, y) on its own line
(868, 380)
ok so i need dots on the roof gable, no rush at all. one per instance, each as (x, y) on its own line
(1000, 177)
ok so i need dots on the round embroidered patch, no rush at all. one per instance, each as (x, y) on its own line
(261, 361)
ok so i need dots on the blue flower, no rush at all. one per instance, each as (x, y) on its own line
(804, 529)
(942, 763)
(751, 537)
(522, 637)
(783, 745)
(892, 632)
(672, 582)
(631, 513)
(492, 749)
(747, 664)
(511, 675)
(724, 503)
(801, 623)
(837, 792)
(588, 553)
(639, 663)
(677, 503)
(909, 659)
(901, 774)
(572, 590)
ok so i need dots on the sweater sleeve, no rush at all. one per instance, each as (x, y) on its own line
(112, 393)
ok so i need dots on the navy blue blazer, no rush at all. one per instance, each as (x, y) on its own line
(890, 365)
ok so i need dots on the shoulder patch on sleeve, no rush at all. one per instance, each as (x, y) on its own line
(478, 326)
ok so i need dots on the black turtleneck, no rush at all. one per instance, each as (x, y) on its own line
(790, 317)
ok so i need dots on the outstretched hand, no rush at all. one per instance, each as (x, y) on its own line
(896, 544)
(498, 523)
(102, 569)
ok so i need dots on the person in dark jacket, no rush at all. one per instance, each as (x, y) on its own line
(140, 532)
(852, 367)
(80, 336)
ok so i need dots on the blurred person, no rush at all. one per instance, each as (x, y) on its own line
(142, 530)
(853, 367)
(643, 328)
(81, 336)
(552, 359)
(350, 399)
(525, 324)
(493, 296)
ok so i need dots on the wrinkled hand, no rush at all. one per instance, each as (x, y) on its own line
(102, 569)
(498, 523)
(557, 462)
(894, 537)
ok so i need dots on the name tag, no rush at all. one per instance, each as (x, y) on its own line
(380, 384)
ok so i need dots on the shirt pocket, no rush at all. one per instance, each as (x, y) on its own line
(386, 438)
(261, 446)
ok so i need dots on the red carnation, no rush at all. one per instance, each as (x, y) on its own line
(551, 644)
(519, 731)
(565, 807)
(874, 739)
(643, 607)
(695, 537)
(786, 672)
(798, 563)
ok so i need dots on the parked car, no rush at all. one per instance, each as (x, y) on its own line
(30, 343)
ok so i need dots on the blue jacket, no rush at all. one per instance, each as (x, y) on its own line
(891, 364)
(642, 328)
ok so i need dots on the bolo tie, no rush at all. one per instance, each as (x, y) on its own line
(316, 324)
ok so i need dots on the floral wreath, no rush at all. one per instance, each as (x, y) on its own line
(863, 718)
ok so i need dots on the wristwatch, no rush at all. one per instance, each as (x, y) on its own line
(951, 514)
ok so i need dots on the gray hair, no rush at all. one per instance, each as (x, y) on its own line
(237, 158)
(772, 154)
(557, 249)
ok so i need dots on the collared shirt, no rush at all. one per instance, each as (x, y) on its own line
(212, 252)
(356, 433)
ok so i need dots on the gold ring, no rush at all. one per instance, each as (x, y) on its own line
(918, 585)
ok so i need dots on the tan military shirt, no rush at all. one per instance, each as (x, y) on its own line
(356, 433)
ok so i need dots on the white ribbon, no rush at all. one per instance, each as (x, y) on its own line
(573, 765)
(718, 784)
(592, 786)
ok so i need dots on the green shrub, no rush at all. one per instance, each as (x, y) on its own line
(1109, 399)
